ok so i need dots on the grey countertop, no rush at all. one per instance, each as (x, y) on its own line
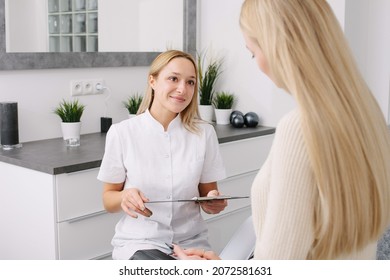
(53, 157)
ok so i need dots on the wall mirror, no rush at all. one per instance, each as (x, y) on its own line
(136, 46)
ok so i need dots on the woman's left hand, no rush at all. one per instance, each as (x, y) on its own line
(213, 206)
(194, 254)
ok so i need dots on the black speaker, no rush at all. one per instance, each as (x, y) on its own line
(9, 127)
(105, 124)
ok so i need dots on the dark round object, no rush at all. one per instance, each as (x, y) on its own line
(235, 113)
(238, 121)
(251, 119)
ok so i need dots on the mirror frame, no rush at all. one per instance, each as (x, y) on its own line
(40, 60)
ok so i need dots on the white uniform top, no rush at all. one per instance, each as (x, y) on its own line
(164, 165)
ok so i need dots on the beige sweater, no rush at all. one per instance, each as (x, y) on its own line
(283, 195)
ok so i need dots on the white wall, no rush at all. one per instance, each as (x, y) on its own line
(338, 7)
(39, 91)
(368, 32)
(220, 34)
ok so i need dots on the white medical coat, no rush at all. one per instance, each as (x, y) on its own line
(164, 165)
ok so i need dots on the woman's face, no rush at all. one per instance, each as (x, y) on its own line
(257, 54)
(174, 86)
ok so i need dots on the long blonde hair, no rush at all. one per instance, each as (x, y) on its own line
(344, 129)
(190, 115)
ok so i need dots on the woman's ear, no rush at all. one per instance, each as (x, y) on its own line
(152, 81)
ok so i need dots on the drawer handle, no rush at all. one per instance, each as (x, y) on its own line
(103, 256)
(74, 220)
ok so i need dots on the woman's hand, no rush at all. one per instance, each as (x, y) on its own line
(133, 202)
(194, 254)
(213, 206)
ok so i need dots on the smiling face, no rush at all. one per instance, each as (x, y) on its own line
(173, 88)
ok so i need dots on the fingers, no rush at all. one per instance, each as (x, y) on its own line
(179, 253)
(214, 207)
(194, 254)
(188, 254)
(210, 255)
(213, 193)
(133, 203)
(202, 254)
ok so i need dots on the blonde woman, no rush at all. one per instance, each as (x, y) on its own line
(164, 153)
(324, 191)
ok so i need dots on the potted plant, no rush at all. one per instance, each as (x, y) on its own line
(132, 104)
(223, 104)
(207, 79)
(70, 113)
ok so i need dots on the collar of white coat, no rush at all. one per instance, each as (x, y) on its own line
(174, 124)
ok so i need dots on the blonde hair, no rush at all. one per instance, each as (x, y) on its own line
(344, 129)
(190, 115)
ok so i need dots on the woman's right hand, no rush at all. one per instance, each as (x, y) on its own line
(133, 202)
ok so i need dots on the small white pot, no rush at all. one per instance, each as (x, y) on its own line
(206, 112)
(71, 133)
(132, 115)
(223, 116)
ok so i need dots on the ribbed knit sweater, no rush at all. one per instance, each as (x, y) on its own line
(283, 197)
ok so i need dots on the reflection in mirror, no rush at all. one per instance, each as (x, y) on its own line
(93, 25)
(47, 60)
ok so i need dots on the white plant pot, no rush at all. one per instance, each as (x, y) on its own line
(223, 116)
(71, 133)
(132, 115)
(206, 112)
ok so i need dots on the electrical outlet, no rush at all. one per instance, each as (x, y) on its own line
(86, 87)
(76, 88)
(93, 86)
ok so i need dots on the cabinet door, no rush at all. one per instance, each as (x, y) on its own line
(242, 159)
(239, 185)
(27, 215)
(78, 194)
(87, 237)
(245, 155)
(222, 228)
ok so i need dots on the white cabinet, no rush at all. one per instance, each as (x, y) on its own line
(27, 214)
(242, 159)
(88, 237)
(84, 228)
(82, 190)
(53, 216)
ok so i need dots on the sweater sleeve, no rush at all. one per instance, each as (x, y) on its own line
(288, 230)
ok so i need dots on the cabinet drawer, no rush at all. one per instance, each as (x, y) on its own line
(221, 229)
(235, 186)
(245, 155)
(78, 194)
(87, 238)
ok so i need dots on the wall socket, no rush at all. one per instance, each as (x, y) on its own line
(86, 87)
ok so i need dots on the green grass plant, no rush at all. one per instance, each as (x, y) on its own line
(70, 111)
(132, 103)
(223, 100)
(207, 79)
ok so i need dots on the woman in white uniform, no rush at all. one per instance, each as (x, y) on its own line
(164, 153)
